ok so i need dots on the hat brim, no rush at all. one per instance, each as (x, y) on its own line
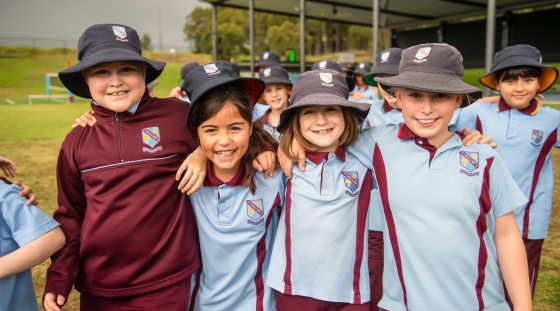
(360, 72)
(253, 86)
(430, 82)
(151, 85)
(547, 79)
(383, 69)
(360, 110)
(265, 62)
(75, 82)
(277, 80)
(350, 82)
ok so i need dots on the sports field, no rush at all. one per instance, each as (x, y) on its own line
(32, 135)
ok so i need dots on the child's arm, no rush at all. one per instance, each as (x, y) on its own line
(86, 119)
(32, 253)
(512, 260)
(8, 167)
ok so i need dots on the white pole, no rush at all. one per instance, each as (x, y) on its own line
(375, 29)
(490, 32)
(214, 34)
(252, 34)
(302, 35)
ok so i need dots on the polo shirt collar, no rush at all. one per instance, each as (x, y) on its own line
(387, 107)
(529, 110)
(317, 157)
(212, 181)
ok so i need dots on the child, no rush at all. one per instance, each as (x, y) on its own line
(525, 133)
(319, 260)
(236, 209)
(267, 59)
(329, 64)
(27, 238)
(361, 70)
(276, 95)
(448, 247)
(345, 70)
(178, 92)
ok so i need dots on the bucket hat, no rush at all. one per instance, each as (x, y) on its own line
(329, 64)
(344, 67)
(151, 85)
(386, 62)
(267, 58)
(187, 67)
(362, 68)
(521, 55)
(106, 43)
(432, 67)
(204, 78)
(236, 70)
(275, 74)
(321, 88)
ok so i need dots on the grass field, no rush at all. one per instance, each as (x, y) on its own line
(32, 135)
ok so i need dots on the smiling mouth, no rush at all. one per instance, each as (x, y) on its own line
(226, 154)
(326, 131)
(117, 93)
(426, 122)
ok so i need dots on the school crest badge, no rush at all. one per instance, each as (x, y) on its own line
(362, 65)
(385, 57)
(120, 32)
(265, 55)
(422, 54)
(537, 138)
(267, 72)
(326, 77)
(469, 161)
(151, 137)
(211, 69)
(323, 64)
(352, 182)
(255, 211)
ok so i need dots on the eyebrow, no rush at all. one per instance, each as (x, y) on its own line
(232, 124)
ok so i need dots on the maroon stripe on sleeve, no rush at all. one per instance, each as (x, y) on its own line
(5, 180)
(545, 150)
(381, 176)
(363, 206)
(261, 254)
(288, 271)
(481, 227)
(478, 124)
(196, 288)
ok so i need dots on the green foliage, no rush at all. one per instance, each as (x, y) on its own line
(360, 38)
(146, 42)
(198, 29)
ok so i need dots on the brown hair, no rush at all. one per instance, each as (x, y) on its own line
(209, 104)
(292, 131)
(519, 71)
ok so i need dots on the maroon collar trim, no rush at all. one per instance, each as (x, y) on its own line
(529, 110)
(317, 157)
(387, 107)
(5, 180)
(405, 133)
(264, 118)
(212, 181)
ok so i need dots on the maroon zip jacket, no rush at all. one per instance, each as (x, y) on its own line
(128, 229)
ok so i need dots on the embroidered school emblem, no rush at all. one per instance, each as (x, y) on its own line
(385, 57)
(151, 137)
(323, 64)
(469, 160)
(537, 137)
(265, 55)
(119, 31)
(362, 65)
(422, 54)
(255, 210)
(351, 181)
(211, 69)
(267, 72)
(326, 77)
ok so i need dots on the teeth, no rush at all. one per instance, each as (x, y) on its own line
(322, 131)
(118, 93)
(225, 153)
(427, 121)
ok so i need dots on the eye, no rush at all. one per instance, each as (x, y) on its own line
(330, 109)
(235, 128)
(209, 131)
(267, 90)
(126, 69)
(441, 96)
(529, 80)
(509, 81)
(102, 71)
(307, 112)
(415, 95)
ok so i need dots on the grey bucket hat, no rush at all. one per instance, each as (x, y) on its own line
(267, 58)
(106, 43)
(329, 64)
(362, 68)
(386, 62)
(324, 87)
(275, 74)
(432, 67)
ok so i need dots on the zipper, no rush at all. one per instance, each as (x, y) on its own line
(119, 143)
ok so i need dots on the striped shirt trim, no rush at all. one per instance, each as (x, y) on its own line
(288, 271)
(128, 162)
(362, 216)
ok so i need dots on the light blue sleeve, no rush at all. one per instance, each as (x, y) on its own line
(557, 145)
(505, 195)
(464, 118)
(26, 223)
(282, 187)
(364, 146)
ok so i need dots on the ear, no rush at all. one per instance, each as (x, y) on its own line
(398, 97)
(458, 101)
(144, 66)
(84, 74)
(251, 128)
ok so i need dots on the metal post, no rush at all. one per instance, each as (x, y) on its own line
(302, 35)
(375, 29)
(214, 35)
(490, 32)
(252, 34)
(159, 24)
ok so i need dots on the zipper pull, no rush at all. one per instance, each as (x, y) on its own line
(117, 116)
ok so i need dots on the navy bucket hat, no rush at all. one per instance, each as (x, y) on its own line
(275, 74)
(106, 43)
(386, 62)
(329, 64)
(362, 68)
(267, 58)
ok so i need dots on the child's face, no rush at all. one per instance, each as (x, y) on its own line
(322, 126)
(116, 86)
(518, 93)
(427, 114)
(386, 96)
(261, 68)
(224, 139)
(276, 95)
(359, 80)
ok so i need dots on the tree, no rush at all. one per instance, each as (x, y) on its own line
(286, 37)
(360, 38)
(146, 42)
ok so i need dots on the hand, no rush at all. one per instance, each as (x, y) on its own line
(472, 136)
(8, 167)
(358, 96)
(265, 162)
(285, 162)
(86, 119)
(196, 165)
(537, 97)
(177, 92)
(50, 304)
(27, 193)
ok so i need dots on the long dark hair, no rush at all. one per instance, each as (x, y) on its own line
(211, 103)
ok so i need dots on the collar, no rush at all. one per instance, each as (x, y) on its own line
(264, 118)
(132, 110)
(529, 110)
(212, 181)
(405, 133)
(387, 107)
(317, 157)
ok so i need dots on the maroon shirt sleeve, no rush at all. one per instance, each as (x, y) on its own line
(72, 203)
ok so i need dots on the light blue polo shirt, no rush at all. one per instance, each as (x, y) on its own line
(439, 207)
(268, 127)
(321, 247)
(236, 231)
(369, 92)
(259, 110)
(19, 225)
(525, 139)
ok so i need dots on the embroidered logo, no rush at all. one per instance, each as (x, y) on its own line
(267, 72)
(265, 55)
(323, 64)
(385, 57)
(362, 65)
(151, 137)
(469, 160)
(255, 211)
(120, 32)
(422, 54)
(537, 138)
(211, 69)
(352, 182)
(326, 77)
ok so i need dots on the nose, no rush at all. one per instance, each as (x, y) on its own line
(321, 118)
(427, 105)
(519, 85)
(225, 138)
(116, 80)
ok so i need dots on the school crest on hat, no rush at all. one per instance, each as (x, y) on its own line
(385, 57)
(265, 55)
(326, 77)
(469, 161)
(537, 138)
(362, 65)
(323, 64)
(211, 69)
(120, 32)
(255, 211)
(151, 137)
(267, 72)
(351, 181)
(422, 54)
